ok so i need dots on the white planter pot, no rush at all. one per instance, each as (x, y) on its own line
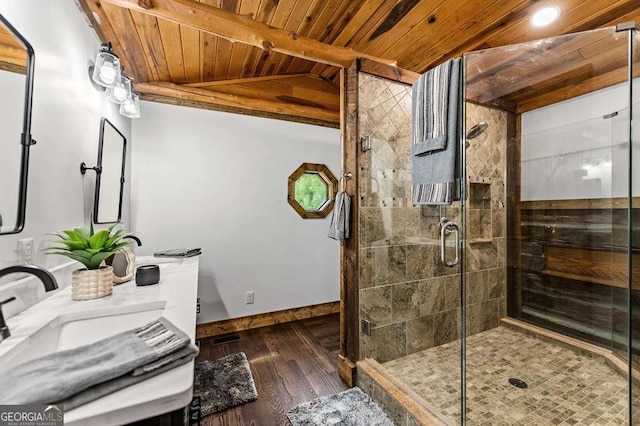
(92, 284)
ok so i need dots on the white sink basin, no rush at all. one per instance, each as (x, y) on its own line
(68, 331)
(59, 323)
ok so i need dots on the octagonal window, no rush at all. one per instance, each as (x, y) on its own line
(312, 190)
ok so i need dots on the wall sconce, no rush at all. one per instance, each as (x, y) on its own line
(106, 71)
(131, 106)
(121, 89)
(108, 74)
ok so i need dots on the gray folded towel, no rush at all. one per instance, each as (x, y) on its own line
(430, 103)
(61, 375)
(435, 134)
(181, 252)
(98, 391)
(339, 228)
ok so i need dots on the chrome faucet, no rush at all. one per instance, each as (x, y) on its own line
(48, 280)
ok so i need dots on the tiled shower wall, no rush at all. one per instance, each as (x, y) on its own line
(486, 220)
(410, 298)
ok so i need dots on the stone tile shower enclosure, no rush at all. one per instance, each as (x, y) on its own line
(550, 220)
(410, 298)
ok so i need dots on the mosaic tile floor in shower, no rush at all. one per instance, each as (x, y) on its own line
(565, 387)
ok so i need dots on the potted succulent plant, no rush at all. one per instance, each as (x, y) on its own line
(91, 249)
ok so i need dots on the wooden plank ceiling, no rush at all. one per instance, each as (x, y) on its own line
(172, 61)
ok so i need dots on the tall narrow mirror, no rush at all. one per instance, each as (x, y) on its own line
(110, 177)
(16, 82)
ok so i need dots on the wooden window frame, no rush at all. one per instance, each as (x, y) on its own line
(325, 174)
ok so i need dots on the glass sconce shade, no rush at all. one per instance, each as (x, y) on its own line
(106, 71)
(121, 90)
(131, 106)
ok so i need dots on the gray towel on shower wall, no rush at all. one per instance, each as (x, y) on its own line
(59, 376)
(430, 97)
(435, 152)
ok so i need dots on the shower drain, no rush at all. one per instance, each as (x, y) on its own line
(518, 383)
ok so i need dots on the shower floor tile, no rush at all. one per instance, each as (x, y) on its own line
(565, 387)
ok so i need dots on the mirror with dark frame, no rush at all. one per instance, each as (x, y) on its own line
(112, 154)
(16, 90)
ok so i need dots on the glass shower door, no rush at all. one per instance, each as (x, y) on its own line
(634, 228)
(546, 256)
(409, 301)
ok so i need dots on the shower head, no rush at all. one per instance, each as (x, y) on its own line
(477, 130)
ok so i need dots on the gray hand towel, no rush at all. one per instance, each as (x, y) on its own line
(339, 228)
(435, 137)
(61, 375)
(430, 105)
(98, 391)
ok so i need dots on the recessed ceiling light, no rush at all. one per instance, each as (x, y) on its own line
(545, 16)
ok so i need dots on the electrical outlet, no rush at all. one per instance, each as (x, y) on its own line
(248, 298)
(198, 306)
(25, 251)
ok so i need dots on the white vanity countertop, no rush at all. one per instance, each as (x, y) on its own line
(177, 292)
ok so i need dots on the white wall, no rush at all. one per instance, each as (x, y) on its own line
(570, 152)
(219, 181)
(66, 121)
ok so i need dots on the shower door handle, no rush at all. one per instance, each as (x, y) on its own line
(449, 227)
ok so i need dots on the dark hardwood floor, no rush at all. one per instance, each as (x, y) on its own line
(291, 363)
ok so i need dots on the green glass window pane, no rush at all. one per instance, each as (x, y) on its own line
(311, 191)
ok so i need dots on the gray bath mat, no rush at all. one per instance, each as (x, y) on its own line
(349, 408)
(224, 383)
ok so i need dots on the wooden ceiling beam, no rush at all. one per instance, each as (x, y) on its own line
(306, 90)
(243, 80)
(211, 99)
(243, 29)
